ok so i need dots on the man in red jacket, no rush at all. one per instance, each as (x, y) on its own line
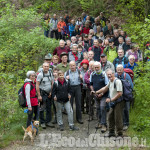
(60, 49)
(85, 30)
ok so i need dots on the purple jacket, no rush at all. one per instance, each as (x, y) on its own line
(87, 76)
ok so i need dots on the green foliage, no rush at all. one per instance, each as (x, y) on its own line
(94, 7)
(23, 47)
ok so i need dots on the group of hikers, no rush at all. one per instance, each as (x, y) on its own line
(91, 67)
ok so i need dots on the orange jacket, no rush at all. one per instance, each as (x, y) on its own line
(60, 25)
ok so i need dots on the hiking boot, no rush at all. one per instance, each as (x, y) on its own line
(54, 121)
(80, 121)
(103, 129)
(98, 126)
(61, 127)
(125, 128)
(49, 124)
(74, 128)
(110, 134)
(43, 125)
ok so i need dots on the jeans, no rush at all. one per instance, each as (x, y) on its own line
(126, 113)
(54, 32)
(35, 110)
(46, 106)
(76, 93)
(46, 33)
(69, 110)
(101, 109)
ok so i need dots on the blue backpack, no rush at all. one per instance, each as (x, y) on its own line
(127, 89)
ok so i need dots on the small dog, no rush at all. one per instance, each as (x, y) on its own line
(31, 130)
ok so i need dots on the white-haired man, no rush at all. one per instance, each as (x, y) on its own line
(116, 102)
(44, 85)
(99, 80)
(124, 76)
(61, 48)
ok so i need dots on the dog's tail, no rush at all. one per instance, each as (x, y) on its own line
(23, 128)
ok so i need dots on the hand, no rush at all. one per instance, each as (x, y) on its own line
(67, 77)
(30, 108)
(55, 98)
(99, 95)
(107, 100)
(49, 96)
(80, 76)
(92, 92)
(40, 98)
(69, 96)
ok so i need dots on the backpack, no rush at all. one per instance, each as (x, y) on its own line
(50, 75)
(21, 95)
(129, 71)
(127, 89)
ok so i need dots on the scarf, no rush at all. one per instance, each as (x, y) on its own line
(61, 81)
(75, 56)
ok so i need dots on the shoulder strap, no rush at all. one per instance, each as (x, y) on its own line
(115, 83)
(67, 73)
(56, 83)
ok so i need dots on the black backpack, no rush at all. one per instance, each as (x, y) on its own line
(21, 95)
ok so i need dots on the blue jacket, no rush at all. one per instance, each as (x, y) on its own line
(71, 28)
(129, 66)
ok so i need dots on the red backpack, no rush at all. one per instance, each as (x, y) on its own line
(130, 72)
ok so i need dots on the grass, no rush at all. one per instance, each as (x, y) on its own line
(14, 133)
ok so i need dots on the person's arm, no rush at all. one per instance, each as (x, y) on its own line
(119, 93)
(102, 90)
(38, 91)
(27, 93)
(54, 91)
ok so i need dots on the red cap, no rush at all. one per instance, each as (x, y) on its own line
(84, 61)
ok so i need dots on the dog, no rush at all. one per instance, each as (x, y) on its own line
(31, 130)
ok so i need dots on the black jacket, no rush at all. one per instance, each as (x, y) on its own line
(61, 91)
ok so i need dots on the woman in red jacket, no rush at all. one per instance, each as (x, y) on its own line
(31, 98)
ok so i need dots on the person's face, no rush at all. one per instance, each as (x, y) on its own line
(96, 43)
(101, 34)
(55, 60)
(120, 40)
(62, 44)
(74, 49)
(45, 67)
(110, 76)
(119, 71)
(106, 42)
(54, 16)
(85, 66)
(109, 27)
(73, 40)
(90, 37)
(122, 33)
(68, 43)
(97, 68)
(55, 73)
(61, 76)
(120, 53)
(61, 20)
(91, 66)
(111, 44)
(64, 59)
(116, 33)
(80, 38)
(48, 61)
(90, 55)
(85, 56)
(86, 25)
(79, 50)
(103, 59)
(100, 44)
(132, 60)
(88, 18)
(73, 22)
(128, 42)
(32, 77)
(72, 66)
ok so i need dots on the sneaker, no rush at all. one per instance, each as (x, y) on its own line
(98, 126)
(125, 128)
(61, 127)
(50, 125)
(73, 128)
(43, 125)
(103, 129)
